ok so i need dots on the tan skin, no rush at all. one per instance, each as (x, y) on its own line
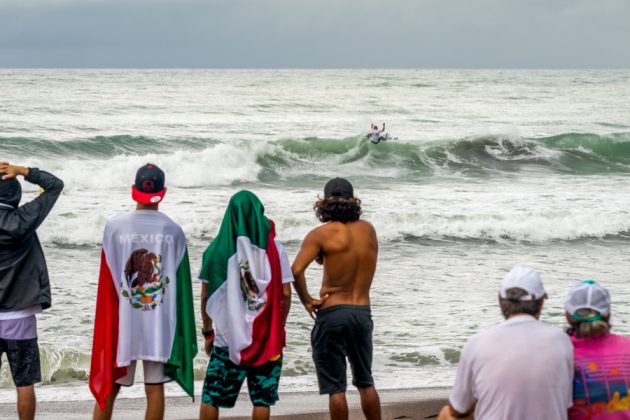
(208, 412)
(11, 171)
(348, 252)
(26, 402)
(154, 393)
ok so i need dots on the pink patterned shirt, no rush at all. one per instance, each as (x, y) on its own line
(602, 378)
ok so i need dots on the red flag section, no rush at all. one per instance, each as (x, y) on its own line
(268, 335)
(103, 372)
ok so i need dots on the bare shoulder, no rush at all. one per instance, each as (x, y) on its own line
(334, 228)
(365, 223)
(316, 234)
(324, 232)
(365, 226)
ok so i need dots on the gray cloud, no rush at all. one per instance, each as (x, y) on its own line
(327, 33)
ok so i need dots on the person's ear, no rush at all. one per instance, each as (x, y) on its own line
(542, 303)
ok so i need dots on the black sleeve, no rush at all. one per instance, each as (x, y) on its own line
(29, 216)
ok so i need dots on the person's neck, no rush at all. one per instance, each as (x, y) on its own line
(537, 316)
(140, 206)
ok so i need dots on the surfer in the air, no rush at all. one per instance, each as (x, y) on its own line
(376, 136)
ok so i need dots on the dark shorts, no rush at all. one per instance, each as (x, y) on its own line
(343, 331)
(224, 380)
(23, 356)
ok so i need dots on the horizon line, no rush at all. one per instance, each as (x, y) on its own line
(310, 68)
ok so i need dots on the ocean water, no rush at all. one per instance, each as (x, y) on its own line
(490, 169)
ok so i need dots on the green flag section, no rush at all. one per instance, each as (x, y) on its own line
(244, 217)
(180, 364)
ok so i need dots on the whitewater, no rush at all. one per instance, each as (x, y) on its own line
(491, 169)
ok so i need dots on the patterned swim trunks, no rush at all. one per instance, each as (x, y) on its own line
(224, 380)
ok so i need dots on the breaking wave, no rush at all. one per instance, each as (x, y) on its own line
(105, 166)
(205, 162)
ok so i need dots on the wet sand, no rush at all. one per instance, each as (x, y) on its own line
(423, 403)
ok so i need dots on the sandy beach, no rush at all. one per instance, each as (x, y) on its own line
(397, 404)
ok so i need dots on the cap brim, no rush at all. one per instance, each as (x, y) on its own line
(147, 198)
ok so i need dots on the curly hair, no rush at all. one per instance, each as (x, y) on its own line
(336, 209)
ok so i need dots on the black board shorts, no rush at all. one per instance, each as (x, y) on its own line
(340, 332)
(23, 356)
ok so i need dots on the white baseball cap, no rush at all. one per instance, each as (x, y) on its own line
(588, 295)
(524, 278)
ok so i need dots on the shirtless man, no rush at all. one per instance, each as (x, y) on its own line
(347, 247)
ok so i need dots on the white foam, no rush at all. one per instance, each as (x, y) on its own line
(222, 164)
(486, 215)
(526, 226)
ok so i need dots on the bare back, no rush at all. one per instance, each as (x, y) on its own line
(349, 252)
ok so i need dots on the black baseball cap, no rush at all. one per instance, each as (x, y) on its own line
(338, 187)
(149, 185)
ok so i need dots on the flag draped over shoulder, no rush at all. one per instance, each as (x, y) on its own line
(144, 307)
(242, 268)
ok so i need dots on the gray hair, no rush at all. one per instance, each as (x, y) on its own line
(513, 305)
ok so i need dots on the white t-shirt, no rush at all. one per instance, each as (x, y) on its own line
(22, 313)
(287, 277)
(520, 369)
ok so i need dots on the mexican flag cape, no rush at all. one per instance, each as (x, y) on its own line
(242, 268)
(144, 306)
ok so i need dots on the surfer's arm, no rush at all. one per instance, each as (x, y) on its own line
(383, 128)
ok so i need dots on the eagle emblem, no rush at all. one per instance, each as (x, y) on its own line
(249, 289)
(145, 287)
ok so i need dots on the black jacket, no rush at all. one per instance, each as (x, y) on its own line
(23, 273)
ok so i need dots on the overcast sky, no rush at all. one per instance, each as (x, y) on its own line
(315, 33)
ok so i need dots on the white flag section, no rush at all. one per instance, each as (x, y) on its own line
(144, 266)
(240, 299)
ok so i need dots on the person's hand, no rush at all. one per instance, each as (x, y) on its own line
(208, 340)
(207, 345)
(312, 306)
(3, 167)
(445, 414)
(11, 171)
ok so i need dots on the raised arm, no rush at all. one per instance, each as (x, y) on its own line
(310, 251)
(32, 214)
